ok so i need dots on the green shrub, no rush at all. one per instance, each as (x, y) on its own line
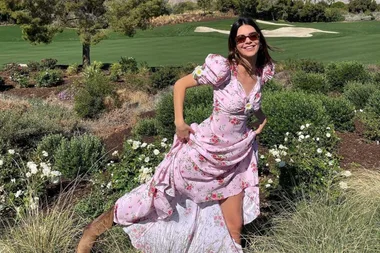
(34, 66)
(92, 70)
(309, 82)
(373, 103)
(19, 75)
(307, 65)
(341, 112)
(49, 143)
(376, 78)
(197, 107)
(358, 93)
(49, 78)
(79, 155)
(183, 7)
(286, 111)
(48, 63)
(72, 69)
(164, 77)
(25, 127)
(338, 74)
(88, 101)
(371, 123)
(146, 127)
(116, 72)
(339, 5)
(128, 65)
(272, 85)
(333, 15)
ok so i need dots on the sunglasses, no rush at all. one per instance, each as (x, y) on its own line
(252, 36)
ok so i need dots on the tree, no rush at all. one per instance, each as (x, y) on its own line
(204, 4)
(358, 6)
(40, 20)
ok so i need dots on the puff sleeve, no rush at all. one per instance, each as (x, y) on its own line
(215, 71)
(268, 72)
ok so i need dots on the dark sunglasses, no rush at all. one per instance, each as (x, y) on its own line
(252, 36)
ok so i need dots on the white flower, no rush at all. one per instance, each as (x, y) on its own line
(18, 193)
(115, 153)
(328, 154)
(302, 127)
(328, 128)
(331, 163)
(281, 164)
(164, 140)
(11, 151)
(286, 139)
(28, 174)
(328, 135)
(283, 153)
(1, 162)
(307, 136)
(319, 150)
(156, 152)
(267, 185)
(361, 110)
(129, 141)
(44, 153)
(33, 167)
(287, 133)
(277, 160)
(248, 106)
(317, 139)
(262, 157)
(282, 147)
(45, 169)
(146, 159)
(302, 136)
(109, 185)
(299, 133)
(55, 173)
(270, 181)
(163, 144)
(197, 72)
(307, 125)
(144, 145)
(343, 185)
(346, 173)
(13, 180)
(135, 144)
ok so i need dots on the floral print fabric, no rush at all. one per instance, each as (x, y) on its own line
(178, 209)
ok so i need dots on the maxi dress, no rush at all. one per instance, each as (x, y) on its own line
(178, 209)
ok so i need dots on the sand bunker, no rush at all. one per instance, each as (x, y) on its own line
(271, 23)
(298, 32)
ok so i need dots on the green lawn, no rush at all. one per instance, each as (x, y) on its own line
(179, 44)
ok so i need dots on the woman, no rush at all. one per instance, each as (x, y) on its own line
(206, 188)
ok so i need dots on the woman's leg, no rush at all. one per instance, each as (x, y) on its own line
(232, 209)
(94, 229)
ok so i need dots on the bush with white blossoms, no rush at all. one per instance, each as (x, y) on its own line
(306, 161)
(136, 165)
(23, 182)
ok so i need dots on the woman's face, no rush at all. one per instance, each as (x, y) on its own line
(247, 41)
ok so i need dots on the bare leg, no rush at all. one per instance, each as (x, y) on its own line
(233, 215)
(94, 229)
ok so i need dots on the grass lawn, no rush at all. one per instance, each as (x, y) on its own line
(179, 44)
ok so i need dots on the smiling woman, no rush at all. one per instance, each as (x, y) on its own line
(206, 187)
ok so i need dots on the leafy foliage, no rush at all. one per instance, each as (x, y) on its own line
(309, 82)
(164, 77)
(88, 101)
(49, 78)
(359, 93)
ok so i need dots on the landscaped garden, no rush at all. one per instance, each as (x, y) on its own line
(75, 138)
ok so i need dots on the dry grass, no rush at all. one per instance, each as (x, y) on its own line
(327, 224)
(11, 103)
(54, 230)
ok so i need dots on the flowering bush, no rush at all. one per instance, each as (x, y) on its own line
(48, 63)
(135, 166)
(306, 162)
(48, 78)
(22, 183)
(19, 74)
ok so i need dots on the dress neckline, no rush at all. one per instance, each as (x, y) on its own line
(246, 95)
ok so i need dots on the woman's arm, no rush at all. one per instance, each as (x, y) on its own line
(182, 129)
(261, 121)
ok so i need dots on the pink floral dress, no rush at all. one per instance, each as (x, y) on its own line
(178, 209)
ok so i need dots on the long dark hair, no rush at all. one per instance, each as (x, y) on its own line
(263, 56)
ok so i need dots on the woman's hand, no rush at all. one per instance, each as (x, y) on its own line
(183, 132)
